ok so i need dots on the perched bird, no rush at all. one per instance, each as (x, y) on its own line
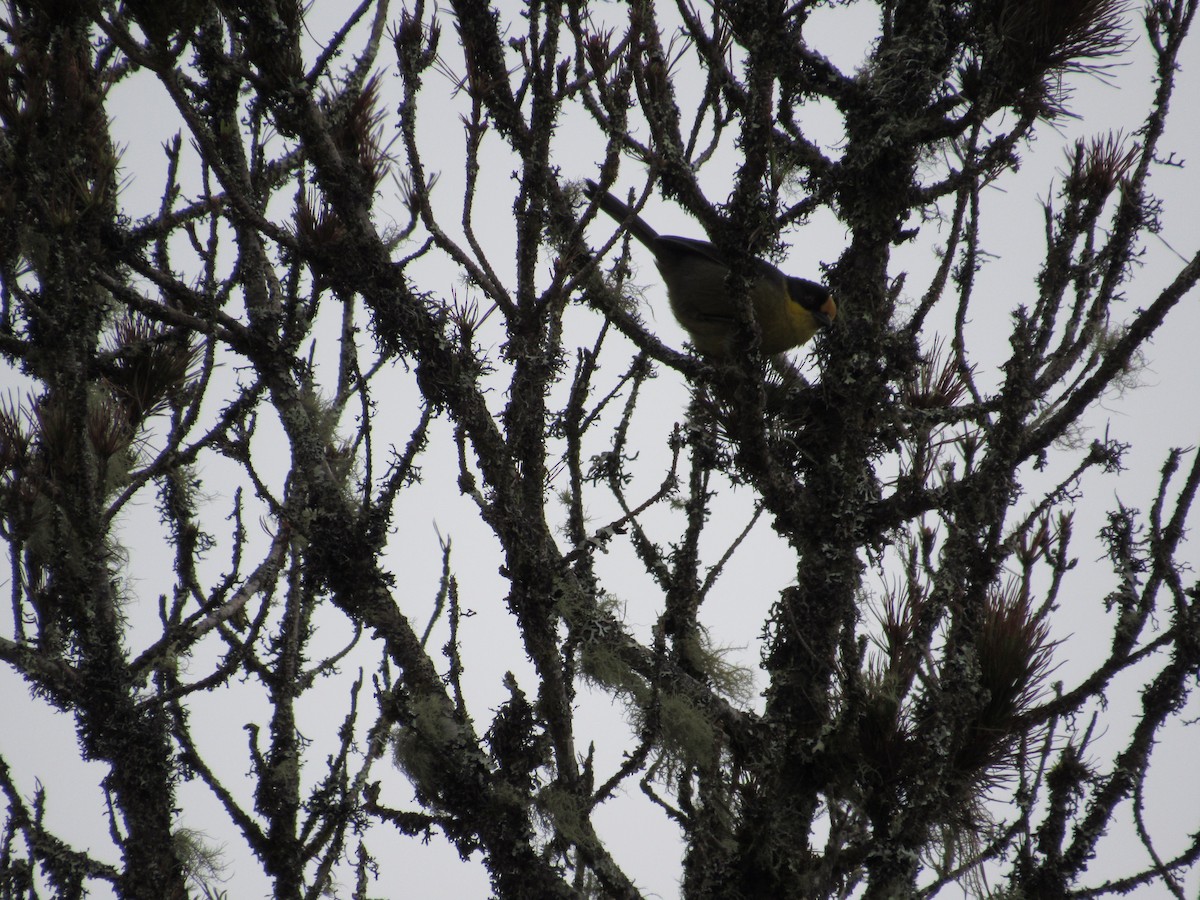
(789, 310)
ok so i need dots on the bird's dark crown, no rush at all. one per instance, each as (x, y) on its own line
(807, 293)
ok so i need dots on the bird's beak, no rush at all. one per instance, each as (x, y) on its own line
(826, 313)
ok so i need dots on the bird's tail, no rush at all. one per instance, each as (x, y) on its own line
(621, 212)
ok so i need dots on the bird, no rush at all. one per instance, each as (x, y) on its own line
(789, 310)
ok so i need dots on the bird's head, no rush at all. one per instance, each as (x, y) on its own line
(816, 298)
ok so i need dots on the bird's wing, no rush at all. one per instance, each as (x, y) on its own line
(682, 246)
